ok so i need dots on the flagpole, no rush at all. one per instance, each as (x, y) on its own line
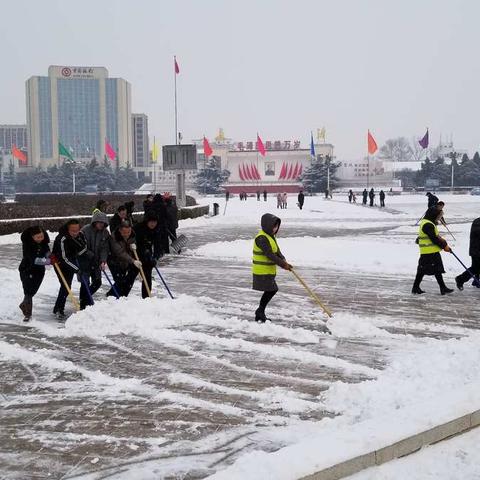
(154, 162)
(176, 119)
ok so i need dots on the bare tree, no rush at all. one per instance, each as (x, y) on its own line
(397, 150)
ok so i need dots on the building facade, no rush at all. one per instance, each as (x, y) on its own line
(81, 108)
(141, 154)
(13, 135)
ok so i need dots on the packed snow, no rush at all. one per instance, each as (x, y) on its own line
(286, 398)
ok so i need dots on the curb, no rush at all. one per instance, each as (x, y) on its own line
(399, 449)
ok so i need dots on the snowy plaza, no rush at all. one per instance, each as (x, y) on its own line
(193, 388)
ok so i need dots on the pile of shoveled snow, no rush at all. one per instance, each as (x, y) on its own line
(427, 383)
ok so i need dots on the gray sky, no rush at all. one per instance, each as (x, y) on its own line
(280, 67)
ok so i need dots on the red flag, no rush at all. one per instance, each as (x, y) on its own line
(300, 170)
(248, 172)
(241, 174)
(295, 172)
(260, 146)
(257, 173)
(17, 153)
(283, 172)
(177, 69)
(111, 154)
(207, 149)
(372, 144)
(289, 175)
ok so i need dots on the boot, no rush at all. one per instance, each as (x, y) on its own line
(23, 308)
(459, 283)
(445, 290)
(417, 290)
(260, 315)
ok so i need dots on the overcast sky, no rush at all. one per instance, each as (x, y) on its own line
(282, 68)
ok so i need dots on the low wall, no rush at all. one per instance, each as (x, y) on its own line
(38, 205)
(18, 225)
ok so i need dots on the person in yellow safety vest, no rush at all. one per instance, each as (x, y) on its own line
(431, 244)
(266, 257)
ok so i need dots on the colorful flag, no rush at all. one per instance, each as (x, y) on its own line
(177, 69)
(110, 151)
(283, 172)
(372, 144)
(207, 149)
(63, 152)
(300, 170)
(321, 133)
(154, 151)
(260, 146)
(424, 141)
(312, 146)
(240, 173)
(17, 153)
(290, 171)
(256, 172)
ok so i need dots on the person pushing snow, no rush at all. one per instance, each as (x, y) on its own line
(266, 257)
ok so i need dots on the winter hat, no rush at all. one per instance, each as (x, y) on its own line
(99, 216)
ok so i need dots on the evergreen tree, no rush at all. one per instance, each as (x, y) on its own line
(126, 179)
(210, 179)
(314, 179)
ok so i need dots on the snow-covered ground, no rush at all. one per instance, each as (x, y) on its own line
(193, 388)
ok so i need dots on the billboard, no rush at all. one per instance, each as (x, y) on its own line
(179, 157)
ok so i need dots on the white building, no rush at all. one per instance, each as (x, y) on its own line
(141, 154)
(82, 108)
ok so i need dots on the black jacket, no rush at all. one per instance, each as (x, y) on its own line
(115, 222)
(172, 215)
(121, 253)
(301, 198)
(475, 238)
(72, 253)
(148, 243)
(32, 250)
(432, 200)
(160, 209)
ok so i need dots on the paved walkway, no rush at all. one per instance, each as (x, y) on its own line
(191, 404)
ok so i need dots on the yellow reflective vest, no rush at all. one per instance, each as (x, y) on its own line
(424, 242)
(261, 264)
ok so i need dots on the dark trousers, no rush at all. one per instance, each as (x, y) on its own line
(300, 205)
(371, 201)
(68, 274)
(438, 277)
(264, 301)
(475, 269)
(93, 281)
(31, 280)
(123, 280)
(382, 202)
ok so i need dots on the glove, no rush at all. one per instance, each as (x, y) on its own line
(138, 264)
(447, 248)
(286, 266)
(133, 246)
(53, 259)
(42, 261)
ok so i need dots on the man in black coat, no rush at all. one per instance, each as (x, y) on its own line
(301, 200)
(371, 195)
(365, 196)
(432, 199)
(70, 250)
(382, 198)
(148, 247)
(474, 252)
(172, 218)
(36, 253)
(160, 208)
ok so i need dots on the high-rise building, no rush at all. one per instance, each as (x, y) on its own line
(141, 156)
(13, 135)
(81, 108)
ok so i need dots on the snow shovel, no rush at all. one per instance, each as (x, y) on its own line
(164, 283)
(476, 281)
(312, 294)
(114, 288)
(448, 230)
(72, 297)
(133, 246)
(179, 243)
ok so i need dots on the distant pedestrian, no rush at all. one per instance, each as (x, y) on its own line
(382, 198)
(279, 200)
(365, 196)
(301, 200)
(285, 200)
(350, 196)
(265, 195)
(371, 195)
(258, 195)
(475, 254)
(432, 199)
(354, 198)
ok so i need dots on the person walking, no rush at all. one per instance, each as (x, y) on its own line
(122, 261)
(258, 195)
(35, 255)
(148, 247)
(371, 195)
(266, 257)
(265, 195)
(301, 199)
(382, 198)
(350, 196)
(70, 250)
(285, 200)
(118, 218)
(430, 244)
(279, 200)
(474, 252)
(365, 197)
(97, 238)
